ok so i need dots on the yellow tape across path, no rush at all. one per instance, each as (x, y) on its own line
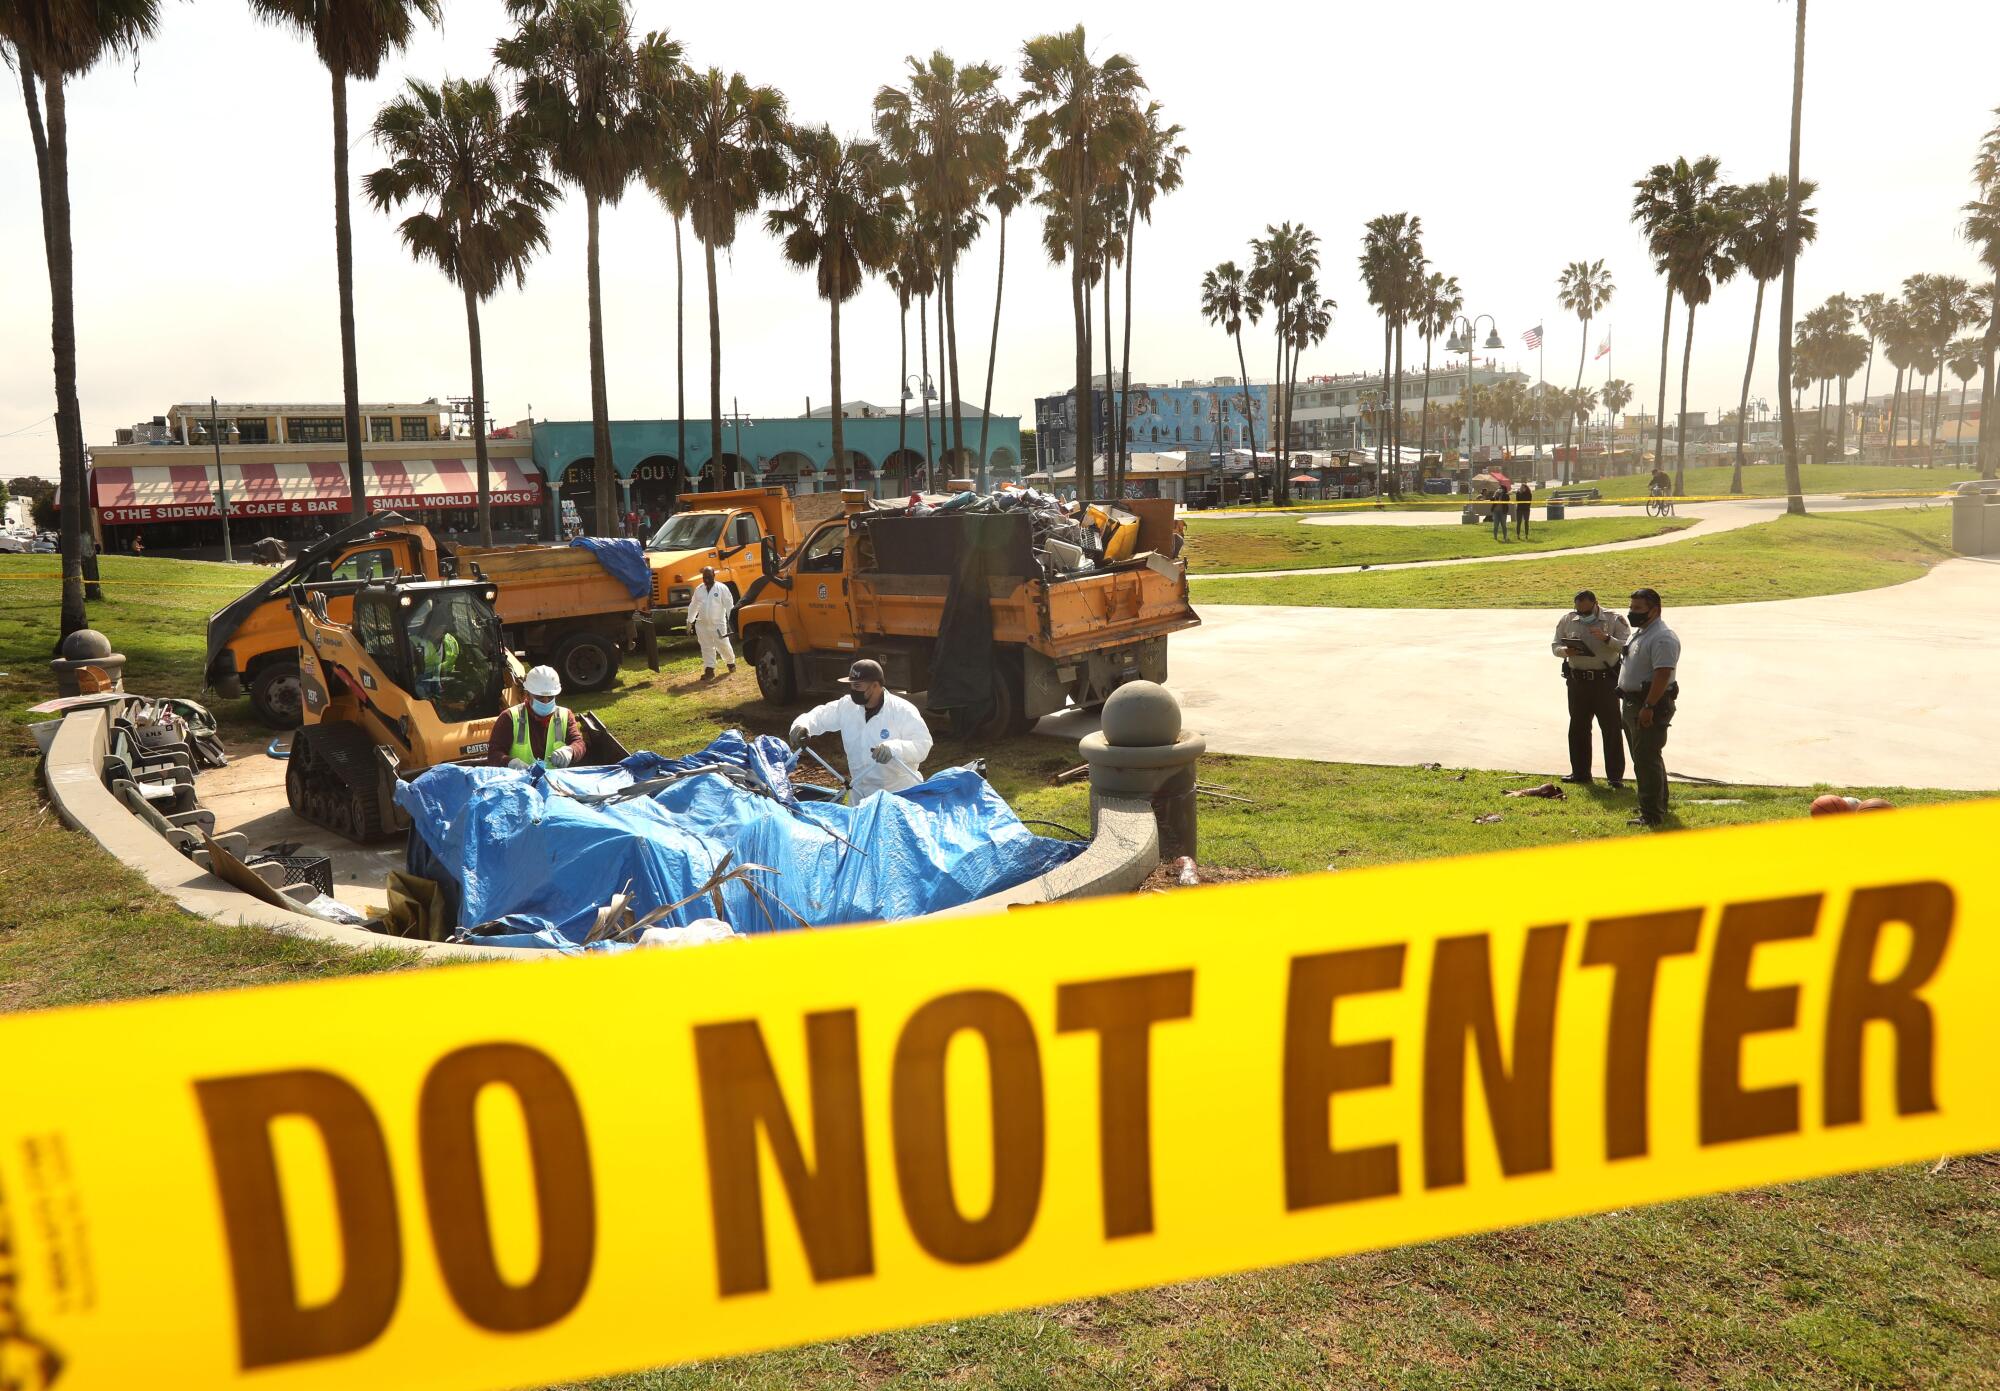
(505, 1175)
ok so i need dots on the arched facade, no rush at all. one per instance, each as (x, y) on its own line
(579, 486)
(656, 482)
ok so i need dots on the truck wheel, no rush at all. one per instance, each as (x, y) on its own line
(776, 681)
(276, 696)
(1007, 715)
(586, 662)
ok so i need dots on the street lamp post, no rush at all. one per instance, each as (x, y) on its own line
(221, 488)
(736, 418)
(1462, 332)
(929, 395)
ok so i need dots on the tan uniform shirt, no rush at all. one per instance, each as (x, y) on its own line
(1603, 654)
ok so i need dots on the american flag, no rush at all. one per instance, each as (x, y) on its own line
(1604, 348)
(1533, 338)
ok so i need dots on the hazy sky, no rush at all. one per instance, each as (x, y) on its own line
(204, 237)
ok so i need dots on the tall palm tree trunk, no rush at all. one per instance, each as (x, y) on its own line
(1680, 427)
(1666, 342)
(1568, 468)
(1396, 420)
(604, 472)
(1895, 406)
(1249, 410)
(1867, 383)
(992, 348)
(1937, 404)
(343, 256)
(62, 339)
(1987, 398)
(1080, 308)
(924, 382)
(945, 453)
(680, 372)
(1424, 431)
(948, 344)
(839, 415)
(714, 365)
(1743, 406)
(1281, 436)
(1125, 363)
(1958, 436)
(903, 384)
(1795, 502)
(1111, 395)
(479, 416)
(1381, 450)
(1840, 426)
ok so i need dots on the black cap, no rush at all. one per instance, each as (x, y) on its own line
(867, 669)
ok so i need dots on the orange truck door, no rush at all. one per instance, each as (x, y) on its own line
(819, 590)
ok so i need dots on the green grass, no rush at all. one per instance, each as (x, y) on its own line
(1768, 480)
(1785, 558)
(1284, 543)
(1888, 1279)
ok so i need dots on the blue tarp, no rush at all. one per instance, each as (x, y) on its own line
(537, 863)
(624, 558)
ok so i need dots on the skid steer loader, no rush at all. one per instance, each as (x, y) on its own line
(414, 679)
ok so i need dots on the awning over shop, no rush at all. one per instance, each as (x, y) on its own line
(164, 492)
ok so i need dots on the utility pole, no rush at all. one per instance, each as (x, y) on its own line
(221, 489)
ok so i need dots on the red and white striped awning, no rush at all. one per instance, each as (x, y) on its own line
(167, 492)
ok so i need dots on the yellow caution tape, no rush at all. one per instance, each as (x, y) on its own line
(507, 1175)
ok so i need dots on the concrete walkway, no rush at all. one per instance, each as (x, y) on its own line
(1710, 519)
(1889, 687)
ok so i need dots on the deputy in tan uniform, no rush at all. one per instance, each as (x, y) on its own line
(1591, 643)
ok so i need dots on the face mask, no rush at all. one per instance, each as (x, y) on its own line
(544, 708)
(1639, 618)
(858, 697)
(1587, 615)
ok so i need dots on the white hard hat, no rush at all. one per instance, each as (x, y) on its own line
(543, 681)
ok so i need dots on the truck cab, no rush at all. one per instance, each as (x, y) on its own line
(724, 530)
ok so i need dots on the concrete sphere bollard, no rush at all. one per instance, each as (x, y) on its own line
(86, 649)
(1141, 714)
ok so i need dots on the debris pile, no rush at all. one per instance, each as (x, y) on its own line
(530, 859)
(1067, 538)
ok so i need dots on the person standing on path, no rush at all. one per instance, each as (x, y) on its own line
(709, 608)
(1523, 496)
(1590, 642)
(1648, 690)
(1496, 508)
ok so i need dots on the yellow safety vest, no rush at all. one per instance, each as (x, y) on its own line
(523, 727)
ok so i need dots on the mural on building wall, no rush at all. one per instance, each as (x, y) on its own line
(1166, 417)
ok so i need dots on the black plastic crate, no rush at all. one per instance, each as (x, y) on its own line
(316, 870)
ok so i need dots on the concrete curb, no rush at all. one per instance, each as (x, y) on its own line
(1124, 851)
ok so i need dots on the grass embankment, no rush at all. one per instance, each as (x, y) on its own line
(1286, 543)
(1785, 558)
(1890, 1279)
(1768, 480)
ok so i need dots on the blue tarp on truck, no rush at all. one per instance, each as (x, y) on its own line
(623, 558)
(533, 857)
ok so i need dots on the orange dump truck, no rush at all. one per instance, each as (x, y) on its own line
(723, 530)
(556, 604)
(875, 584)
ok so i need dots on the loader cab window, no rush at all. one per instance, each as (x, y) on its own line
(443, 646)
(743, 531)
(375, 563)
(827, 549)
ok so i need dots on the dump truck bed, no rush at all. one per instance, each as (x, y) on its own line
(1061, 618)
(541, 583)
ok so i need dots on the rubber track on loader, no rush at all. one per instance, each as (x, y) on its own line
(333, 782)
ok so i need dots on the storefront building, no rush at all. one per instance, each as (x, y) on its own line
(281, 470)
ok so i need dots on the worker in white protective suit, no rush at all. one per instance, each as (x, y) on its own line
(883, 735)
(709, 608)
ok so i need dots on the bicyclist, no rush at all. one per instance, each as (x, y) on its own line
(1660, 491)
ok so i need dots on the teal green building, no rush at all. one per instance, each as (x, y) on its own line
(885, 455)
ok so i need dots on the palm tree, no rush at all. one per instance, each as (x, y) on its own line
(1795, 502)
(1226, 301)
(581, 89)
(1948, 305)
(1665, 205)
(351, 37)
(1440, 302)
(1011, 185)
(841, 224)
(54, 41)
(947, 128)
(910, 277)
(1616, 395)
(1151, 167)
(1963, 358)
(1869, 309)
(664, 166)
(1901, 340)
(1757, 244)
(477, 175)
(734, 135)
(1284, 261)
(1082, 113)
(1392, 267)
(1982, 229)
(1584, 288)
